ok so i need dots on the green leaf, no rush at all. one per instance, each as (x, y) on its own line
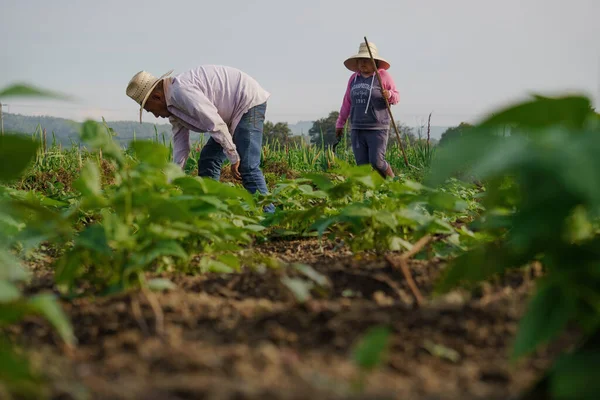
(46, 305)
(151, 153)
(160, 284)
(575, 376)
(446, 202)
(23, 90)
(209, 265)
(8, 292)
(97, 137)
(164, 248)
(68, 267)
(89, 181)
(370, 350)
(547, 314)
(16, 153)
(475, 266)
(543, 112)
(321, 181)
(94, 239)
(230, 260)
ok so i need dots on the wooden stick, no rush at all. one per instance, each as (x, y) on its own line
(402, 263)
(387, 104)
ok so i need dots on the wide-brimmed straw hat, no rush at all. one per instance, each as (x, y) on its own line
(363, 52)
(141, 85)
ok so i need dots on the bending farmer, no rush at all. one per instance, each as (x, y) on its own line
(219, 100)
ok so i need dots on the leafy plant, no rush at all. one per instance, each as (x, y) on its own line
(15, 374)
(543, 205)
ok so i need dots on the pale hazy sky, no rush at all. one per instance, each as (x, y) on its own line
(457, 58)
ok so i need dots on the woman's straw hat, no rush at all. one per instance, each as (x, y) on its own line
(352, 62)
(141, 85)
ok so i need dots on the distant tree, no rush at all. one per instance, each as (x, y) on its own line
(323, 130)
(279, 132)
(454, 132)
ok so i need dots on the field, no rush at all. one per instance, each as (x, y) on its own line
(472, 275)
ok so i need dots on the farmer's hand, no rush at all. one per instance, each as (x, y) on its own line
(386, 94)
(235, 170)
(339, 132)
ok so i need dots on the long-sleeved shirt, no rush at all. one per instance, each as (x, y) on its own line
(388, 84)
(212, 99)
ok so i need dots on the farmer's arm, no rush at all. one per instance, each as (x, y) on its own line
(201, 114)
(345, 109)
(389, 85)
(181, 143)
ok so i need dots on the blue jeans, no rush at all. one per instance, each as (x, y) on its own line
(248, 142)
(369, 148)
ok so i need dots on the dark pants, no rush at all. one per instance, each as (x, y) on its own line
(369, 148)
(248, 142)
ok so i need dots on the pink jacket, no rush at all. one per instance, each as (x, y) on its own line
(388, 84)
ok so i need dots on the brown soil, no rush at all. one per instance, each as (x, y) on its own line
(244, 336)
(271, 168)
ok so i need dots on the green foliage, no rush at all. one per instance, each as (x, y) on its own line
(16, 154)
(322, 132)
(542, 204)
(22, 90)
(357, 206)
(279, 133)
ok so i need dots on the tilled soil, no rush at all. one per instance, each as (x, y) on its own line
(245, 336)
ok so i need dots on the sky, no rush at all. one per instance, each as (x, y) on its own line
(457, 59)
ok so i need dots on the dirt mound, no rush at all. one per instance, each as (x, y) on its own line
(243, 336)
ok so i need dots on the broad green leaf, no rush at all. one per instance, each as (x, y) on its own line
(369, 352)
(230, 260)
(547, 314)
(160, 284)
(68, 267)
(46, 305)
(24, 90)
(255, 228)
(321, 181)
(478, 264)
(164, 248)
(16, 153)
(169, 209)
(8, 292)
(543, 112)
(321, 225)
(446, 201)
(151, 153)
(94, 239)
(575, 376)
(209, 265)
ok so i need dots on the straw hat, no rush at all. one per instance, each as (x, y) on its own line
(352, 62)
(140, 87)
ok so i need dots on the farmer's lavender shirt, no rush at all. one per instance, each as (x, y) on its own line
(364, 103)
(213, 99)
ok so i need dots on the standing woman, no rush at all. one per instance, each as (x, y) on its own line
(364, 104)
